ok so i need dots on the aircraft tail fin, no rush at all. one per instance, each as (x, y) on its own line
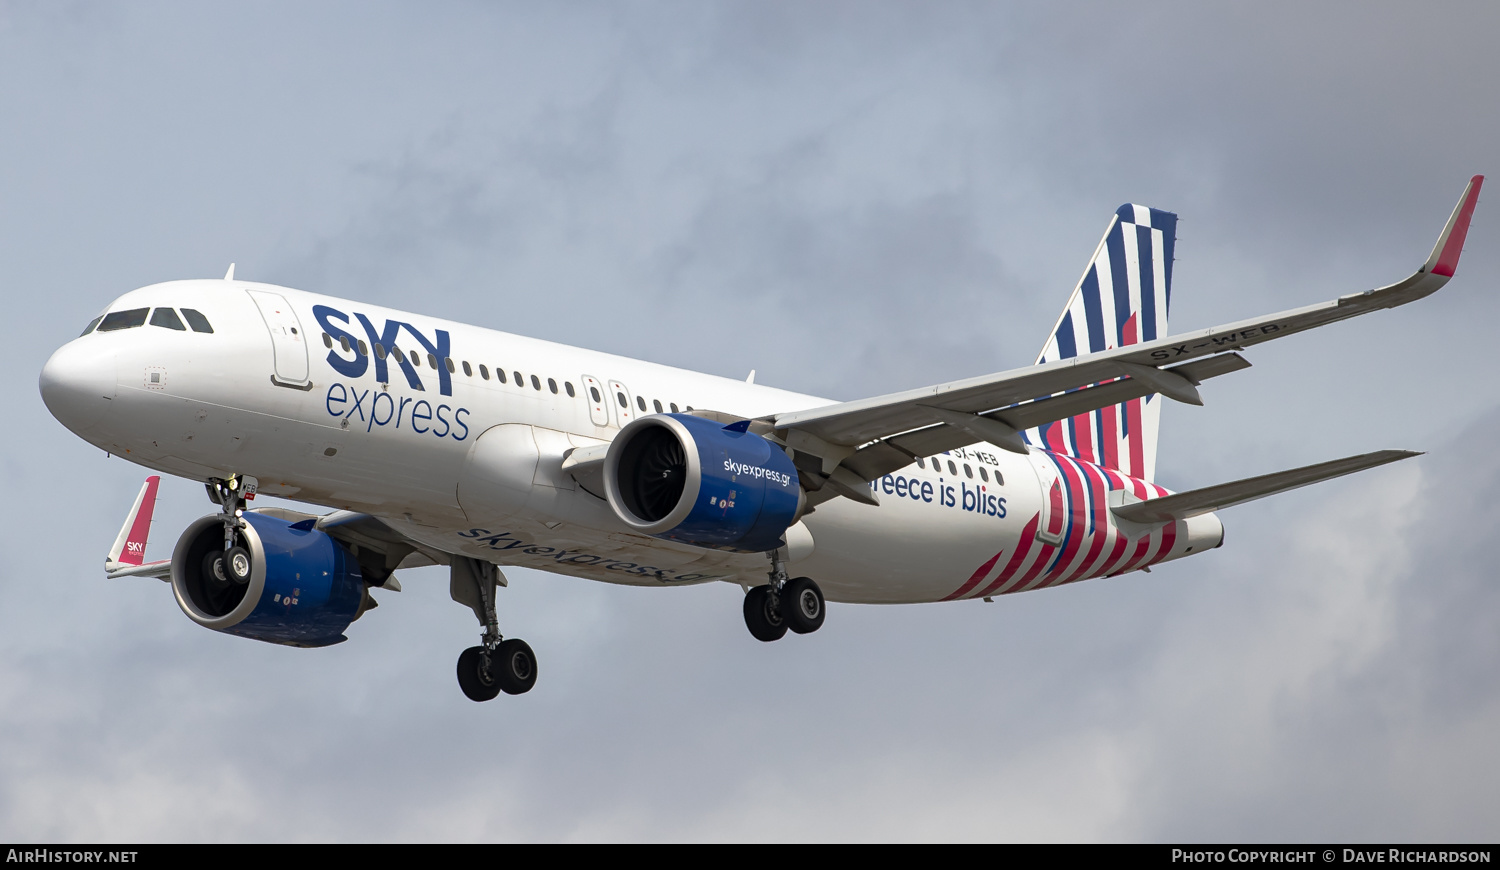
(130, 546)
(1184, 505)
(1122, 299)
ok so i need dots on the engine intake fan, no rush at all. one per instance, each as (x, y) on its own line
(688, 479)
(304, 587)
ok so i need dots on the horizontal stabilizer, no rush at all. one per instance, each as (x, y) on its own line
(1180, 506)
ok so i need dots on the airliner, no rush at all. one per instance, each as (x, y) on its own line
(431, 442)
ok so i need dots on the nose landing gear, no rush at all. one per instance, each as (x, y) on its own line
(232, 564)
(496, 665)
(782, 604)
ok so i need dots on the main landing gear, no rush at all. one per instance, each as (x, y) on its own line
(496, 665)
(782, 604)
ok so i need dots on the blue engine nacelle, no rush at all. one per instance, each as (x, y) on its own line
(304, 588)
(688, 479)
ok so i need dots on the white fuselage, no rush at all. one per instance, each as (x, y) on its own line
(472, 464)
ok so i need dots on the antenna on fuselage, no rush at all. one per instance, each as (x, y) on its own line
(751, 379)
(229, 276)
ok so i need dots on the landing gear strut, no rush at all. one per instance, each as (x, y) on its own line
(496, 665)
(782, 604)
(232, 564)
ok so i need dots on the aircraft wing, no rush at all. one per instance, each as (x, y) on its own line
(854, 442)
(378, 546)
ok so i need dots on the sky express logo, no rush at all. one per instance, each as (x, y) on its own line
(387, 341)
(770, 474)
(384, 409)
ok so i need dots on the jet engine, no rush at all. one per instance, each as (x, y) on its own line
(691, 480)
(303, 587)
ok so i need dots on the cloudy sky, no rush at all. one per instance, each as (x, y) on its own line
(908, 192)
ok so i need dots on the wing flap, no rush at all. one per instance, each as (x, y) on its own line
(1182, 505)
(887, 455)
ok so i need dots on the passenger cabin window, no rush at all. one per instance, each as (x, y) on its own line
(640, 402)
(379, 350)
(432, 361)
(673, 406)
(344, 342)
(920, 463)
(364, 349)
(197, 321)
(327, 340)
(536, 383)
(167, 319)
(448, 361)
(952, 469)
(984, 475)
(656, 403)
(123, 319)
(90, 328)
(484, 371)
(520, 381)
(568, 385)
(500, 374)
(552, 385)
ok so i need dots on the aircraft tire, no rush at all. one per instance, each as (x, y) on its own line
(802, 605)
(477, 683)
(763, 620)
(213, 569)
(514, 667)
(237, 565)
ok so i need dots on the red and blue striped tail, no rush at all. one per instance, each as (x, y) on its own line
(1122, 299)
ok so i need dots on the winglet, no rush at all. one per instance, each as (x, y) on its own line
(130, 546)
(1450, 244)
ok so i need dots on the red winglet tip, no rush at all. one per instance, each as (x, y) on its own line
(135, 543)
(1447, 258)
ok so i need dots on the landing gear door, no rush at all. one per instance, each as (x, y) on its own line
(286, 337)
(624, 411)
(598, 399)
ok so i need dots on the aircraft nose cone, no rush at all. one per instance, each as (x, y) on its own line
(78, 384)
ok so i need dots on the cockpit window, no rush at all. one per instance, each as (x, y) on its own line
(123, 319)
(197, 321)
(168, 318)
(90, 328)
